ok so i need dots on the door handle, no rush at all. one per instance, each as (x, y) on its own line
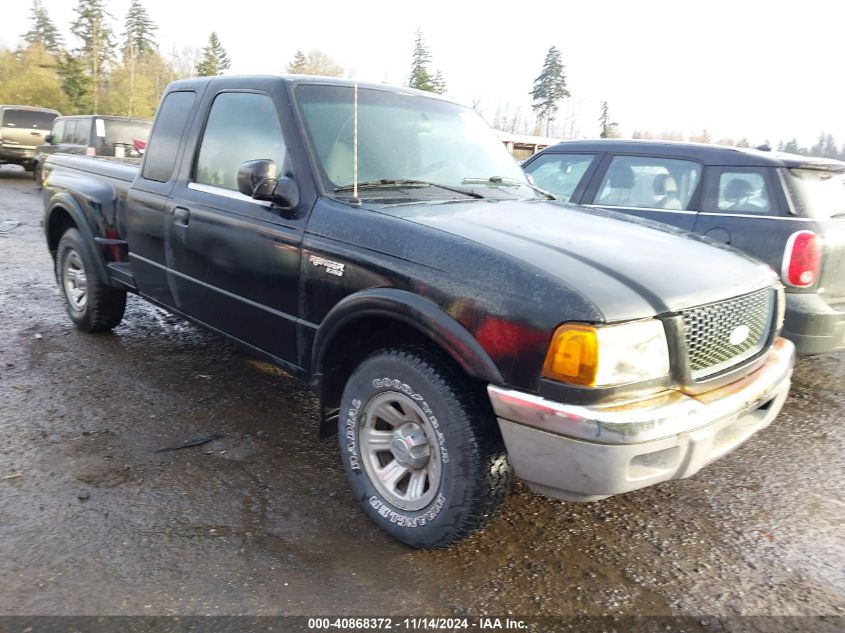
(181, 216)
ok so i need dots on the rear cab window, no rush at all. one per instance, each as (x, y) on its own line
(649, 182)
(560, 174)
(171, 122)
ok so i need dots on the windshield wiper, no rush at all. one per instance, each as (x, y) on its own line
(513, 182)
(405, 182)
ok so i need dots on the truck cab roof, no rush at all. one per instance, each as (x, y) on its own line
(274, 81)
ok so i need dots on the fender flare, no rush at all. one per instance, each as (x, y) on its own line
(411, 309)
(70, 206)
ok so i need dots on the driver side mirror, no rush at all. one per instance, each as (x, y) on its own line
(48, 139)
(259, 179)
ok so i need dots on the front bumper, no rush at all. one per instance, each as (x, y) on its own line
(814, 325)
(586, 453)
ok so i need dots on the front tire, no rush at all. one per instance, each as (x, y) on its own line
(421, 448)
(92, 305)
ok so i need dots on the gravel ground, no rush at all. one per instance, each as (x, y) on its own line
(260, 521)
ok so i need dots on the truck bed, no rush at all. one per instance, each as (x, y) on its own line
(123, 170)
(70, 172)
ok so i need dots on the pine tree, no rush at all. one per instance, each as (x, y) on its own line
(316, 62)
(43, 32)
(299, 64)
(818, 148)
(76, 84)
(830, 150)
(420, 78)
(791, 147)
(91, 27)
(138, 43)
(138, 36)
(549, 88)
(438, 83)
(608, 128)
(214, 58)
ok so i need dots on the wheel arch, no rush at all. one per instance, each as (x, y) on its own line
(383, 317)
(63, 213)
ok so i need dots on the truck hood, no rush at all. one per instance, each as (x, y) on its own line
(626, 267)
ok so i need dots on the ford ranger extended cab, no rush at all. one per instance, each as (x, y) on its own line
(455, 322)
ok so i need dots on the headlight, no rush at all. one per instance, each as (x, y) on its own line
(608, 355)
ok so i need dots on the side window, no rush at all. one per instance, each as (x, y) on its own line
(560, 173)
(744, 191)
(649, 182)
(170, 122)
(241, 126)
(83, 132)
(58, 132)
(70, 135)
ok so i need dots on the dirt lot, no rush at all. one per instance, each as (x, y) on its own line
(260, 521)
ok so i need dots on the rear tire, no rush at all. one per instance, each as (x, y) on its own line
(92, 305)
(421, 448)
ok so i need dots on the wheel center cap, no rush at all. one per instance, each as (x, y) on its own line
(410, 446)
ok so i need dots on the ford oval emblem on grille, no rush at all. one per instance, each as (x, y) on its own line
(739, 335)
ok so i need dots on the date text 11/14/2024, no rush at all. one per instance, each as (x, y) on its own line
(416, 624)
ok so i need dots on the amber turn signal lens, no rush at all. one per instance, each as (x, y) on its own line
(573, 355)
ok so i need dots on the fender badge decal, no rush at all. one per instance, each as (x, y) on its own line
(333, 268)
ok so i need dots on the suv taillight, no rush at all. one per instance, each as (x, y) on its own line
(91, 151)
(801, 259)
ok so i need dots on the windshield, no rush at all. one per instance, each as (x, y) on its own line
(31, 119)
(404, 137)
(816, 193)
(117, 132)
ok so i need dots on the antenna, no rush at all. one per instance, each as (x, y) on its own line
(355, 146)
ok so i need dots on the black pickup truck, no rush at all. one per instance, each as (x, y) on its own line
(454, 321)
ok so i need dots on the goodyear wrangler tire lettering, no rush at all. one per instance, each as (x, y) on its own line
(407, 413)
(349, 434)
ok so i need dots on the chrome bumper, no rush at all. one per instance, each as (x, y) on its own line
(586, 453)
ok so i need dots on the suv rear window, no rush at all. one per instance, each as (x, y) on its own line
(30, 119)
(816, 193)
(118, 132)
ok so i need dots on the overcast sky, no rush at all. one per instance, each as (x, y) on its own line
(763, 70)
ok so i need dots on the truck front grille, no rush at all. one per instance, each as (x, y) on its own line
(721, 335)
